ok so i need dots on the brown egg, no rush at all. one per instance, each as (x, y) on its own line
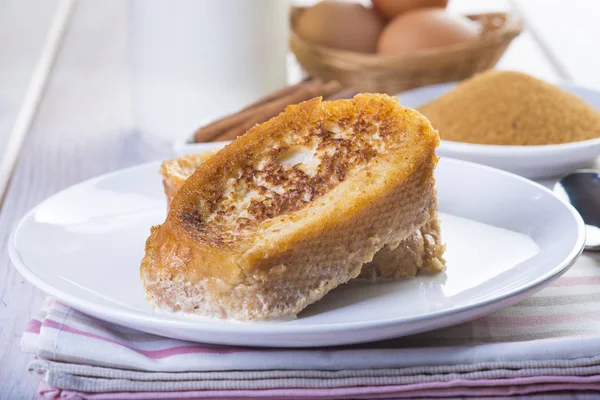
(340, 25)
(392, 8)
(424, 29)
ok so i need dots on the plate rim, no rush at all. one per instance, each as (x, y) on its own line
(215, 326)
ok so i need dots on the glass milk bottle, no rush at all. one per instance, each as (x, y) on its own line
(196, 60)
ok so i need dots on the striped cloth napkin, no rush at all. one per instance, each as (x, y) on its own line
(547, 343)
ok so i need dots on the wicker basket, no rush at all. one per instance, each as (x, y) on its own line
(391, 74)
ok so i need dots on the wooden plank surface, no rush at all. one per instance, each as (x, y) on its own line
(568, 32)
(24, 27)
(84, 128)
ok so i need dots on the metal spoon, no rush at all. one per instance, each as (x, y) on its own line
(582, 189)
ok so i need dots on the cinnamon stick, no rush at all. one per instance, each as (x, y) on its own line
(347, 93)
(284, 91)
(218, 127)
(273, 108)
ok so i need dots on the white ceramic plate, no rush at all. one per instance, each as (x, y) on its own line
(534, 162)
(506, 238)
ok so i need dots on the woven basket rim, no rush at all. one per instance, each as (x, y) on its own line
(512, 27)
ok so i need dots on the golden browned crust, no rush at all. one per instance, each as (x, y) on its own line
(422, 251)
(218, 253)
(177, 170)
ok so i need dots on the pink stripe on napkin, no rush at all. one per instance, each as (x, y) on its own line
(533, 320)
(33, 326)
(578, 281)
(156, 354)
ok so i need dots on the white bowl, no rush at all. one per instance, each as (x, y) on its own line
(534, 162)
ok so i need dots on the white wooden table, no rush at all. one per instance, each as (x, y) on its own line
(66, 113)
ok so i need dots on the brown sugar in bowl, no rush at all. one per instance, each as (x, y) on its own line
(514, 109)
(532, 161)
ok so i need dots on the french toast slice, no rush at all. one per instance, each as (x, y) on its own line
(293, 208)
(176, 171)
(422, 251)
